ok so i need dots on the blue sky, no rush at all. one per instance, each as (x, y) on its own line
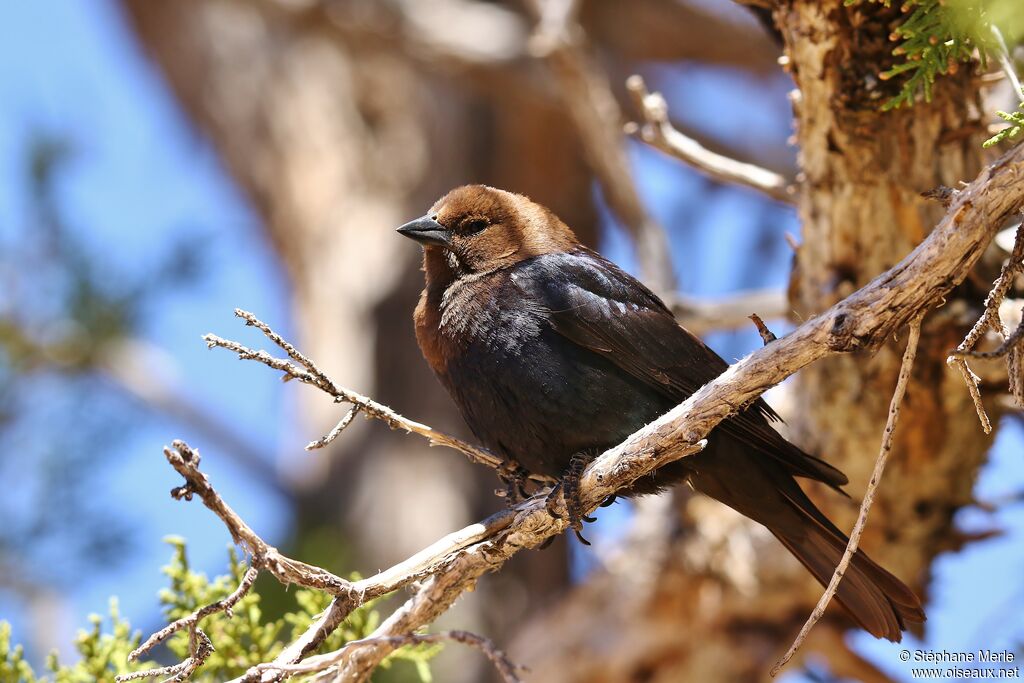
(142, 178)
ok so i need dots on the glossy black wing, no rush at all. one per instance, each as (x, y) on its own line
(597, 306)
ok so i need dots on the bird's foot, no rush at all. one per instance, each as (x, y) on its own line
(514, 479)
(569, 488)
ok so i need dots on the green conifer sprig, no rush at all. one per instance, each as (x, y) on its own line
(934, 40)
(242, 640)
(1016, 127)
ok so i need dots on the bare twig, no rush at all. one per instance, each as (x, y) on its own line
(990, 320)
(304, 370)
(974, 388)
(767, 336)
(224, 605)
(861, 321)
(507, 669)
(700, 315)
(200, 648)
(869, 495)
(185, 460)
(1009, 344)
(655, 129)
(589, 101)
(1015, 367)
(345, 421)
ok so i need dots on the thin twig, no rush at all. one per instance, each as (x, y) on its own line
(304, 370)
(700, 315)
(655, 129)
(223, 605)
(507, 669)
(990, 320)
(322, 380)
(1008, 345)
(185, 460)
(200, 648)
(345, 421)
(973, 383)
(869, 495)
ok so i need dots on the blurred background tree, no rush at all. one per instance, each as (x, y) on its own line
(337, 121)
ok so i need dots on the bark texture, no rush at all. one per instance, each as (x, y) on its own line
(342, 120)
(723, 600)
(861, 209)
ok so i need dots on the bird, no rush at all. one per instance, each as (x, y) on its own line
(553, 354)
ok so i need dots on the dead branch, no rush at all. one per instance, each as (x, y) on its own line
(700, 315)
(200, 648)
(307, 372)
(344, 422)
(191, 621)
(185, 460)
(869, 495)
(449, 567)
(655, 129)
(990, 320)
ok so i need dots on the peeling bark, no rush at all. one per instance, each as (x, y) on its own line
(861, 209)
(339, 136)
(724, 600)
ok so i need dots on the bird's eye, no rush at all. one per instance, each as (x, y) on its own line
(475, 225)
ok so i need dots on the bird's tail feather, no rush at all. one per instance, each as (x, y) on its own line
(766, 492)
(878, 601)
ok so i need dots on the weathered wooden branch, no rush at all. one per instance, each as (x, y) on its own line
(655, 129)
(452, 565)
(869, 496)
(305, 371)
(700, 315)
(990, 320)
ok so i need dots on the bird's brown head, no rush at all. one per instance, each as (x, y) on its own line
(479, 229)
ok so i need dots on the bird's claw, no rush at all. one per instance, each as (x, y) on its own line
(568, 488)
(551, 501)
(514, 478)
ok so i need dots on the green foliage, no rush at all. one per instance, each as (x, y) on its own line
(1016, 127)
(938, 36)
(13, 666)
(102, 655)
(67, 304)
(242, 640)
(247, 638)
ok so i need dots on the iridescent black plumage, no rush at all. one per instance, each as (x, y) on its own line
(550, 350)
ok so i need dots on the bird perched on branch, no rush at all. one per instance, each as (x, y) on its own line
(553, 355)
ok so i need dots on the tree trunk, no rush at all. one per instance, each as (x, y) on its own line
(724, 600)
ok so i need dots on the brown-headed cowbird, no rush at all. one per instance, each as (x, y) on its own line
(553, 354)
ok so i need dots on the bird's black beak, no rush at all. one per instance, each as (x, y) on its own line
(425, 230)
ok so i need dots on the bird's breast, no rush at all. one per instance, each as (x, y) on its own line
(525, 390)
